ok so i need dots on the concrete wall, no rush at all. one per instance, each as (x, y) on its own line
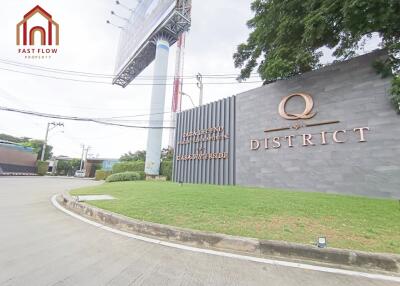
(10, 155)
(14, 159)
(350, 92)
(206, 170)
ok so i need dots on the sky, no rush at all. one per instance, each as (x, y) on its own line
(88, 44)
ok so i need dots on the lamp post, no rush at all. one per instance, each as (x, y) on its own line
(191, 100)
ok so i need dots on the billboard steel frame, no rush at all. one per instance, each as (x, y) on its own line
(177, 22)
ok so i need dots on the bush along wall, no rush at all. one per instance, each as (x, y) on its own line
(102, 175)
(138, 167)
(125, 176)
(42, 167)
(166, 169)
(134, 166)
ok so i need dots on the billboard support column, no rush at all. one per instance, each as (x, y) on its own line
(154, 139)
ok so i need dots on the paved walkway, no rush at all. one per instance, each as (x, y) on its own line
(40, 245)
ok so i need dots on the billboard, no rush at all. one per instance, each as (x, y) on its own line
(150, 18)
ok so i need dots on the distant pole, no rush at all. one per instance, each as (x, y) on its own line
(87, 151)
(199, 78)
(154, 139)
(83, 152)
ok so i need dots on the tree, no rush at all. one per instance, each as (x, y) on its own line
(287, 35)
(37, 146)
(68, 167)
(11, 138)
(137, 156)
(167, 154)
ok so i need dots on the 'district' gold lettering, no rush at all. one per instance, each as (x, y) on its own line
(361, 130)
(307, 140)
(254, 144)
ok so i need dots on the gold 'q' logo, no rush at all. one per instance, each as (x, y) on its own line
(307, 114)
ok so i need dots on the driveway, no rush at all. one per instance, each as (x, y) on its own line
(40, 245)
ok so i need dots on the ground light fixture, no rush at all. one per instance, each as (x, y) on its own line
(321, 242)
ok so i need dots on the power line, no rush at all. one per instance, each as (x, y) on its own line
(19, 101)
(110, 76)
(53, 77)
(131, 116)
(75, 118)
(5, 95)
(133, 84)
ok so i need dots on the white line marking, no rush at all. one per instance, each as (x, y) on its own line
(226, 254)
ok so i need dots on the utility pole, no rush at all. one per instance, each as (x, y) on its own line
(50, 126)
(83, 152)
(199, 78)
(87, 151)
(84, 155)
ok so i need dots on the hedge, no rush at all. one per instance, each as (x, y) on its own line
(138, 167)
(125, 176)
(102, 175)
(42, 167)
(166, 169)
(142, 175)
(134, 166)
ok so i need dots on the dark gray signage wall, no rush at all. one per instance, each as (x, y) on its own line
(211, 170)
(350, 92)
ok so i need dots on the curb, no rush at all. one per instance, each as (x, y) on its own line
(4, 174)
(236, 244)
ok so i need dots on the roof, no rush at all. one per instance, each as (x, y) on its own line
(13, 145)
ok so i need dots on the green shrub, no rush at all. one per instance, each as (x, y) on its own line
(142, 175)
(102, 175)
(395, 92)
(166, 169)
(125, 176)
(42, 167)
(134, 166)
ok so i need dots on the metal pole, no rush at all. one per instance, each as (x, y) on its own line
(154, 139)
(45, 142)
(200, 86)
(83, 151)
(86, 156)
(87, 151)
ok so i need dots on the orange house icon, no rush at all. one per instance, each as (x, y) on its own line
(46, 33)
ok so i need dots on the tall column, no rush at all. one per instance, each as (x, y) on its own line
(154, 139)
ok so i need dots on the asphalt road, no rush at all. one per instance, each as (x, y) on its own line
(40, 245)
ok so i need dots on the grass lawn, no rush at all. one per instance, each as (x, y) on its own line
(347, 222)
